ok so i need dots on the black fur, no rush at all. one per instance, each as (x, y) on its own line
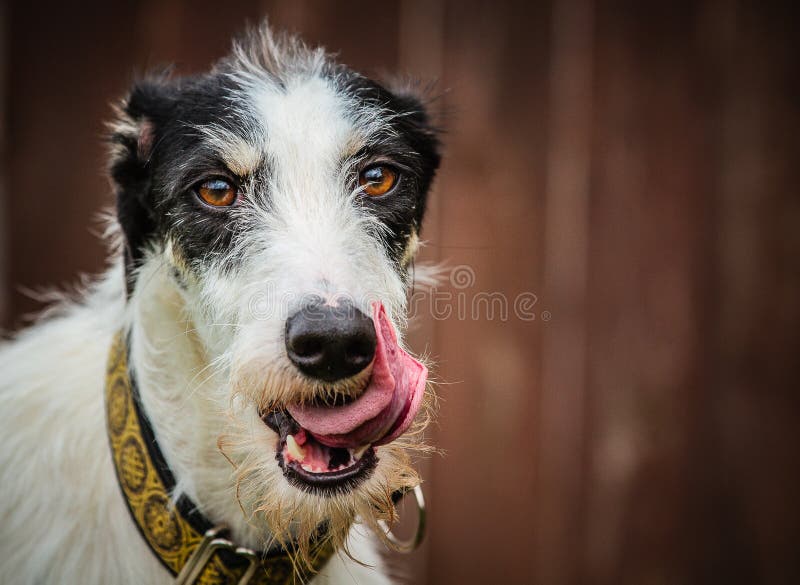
(154, 188)
(413, 147)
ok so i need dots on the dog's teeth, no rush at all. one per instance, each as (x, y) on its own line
(294, 449)
(359, 452)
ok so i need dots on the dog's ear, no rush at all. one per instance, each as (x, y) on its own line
(415, 101)
(418, 121)
(139, 120)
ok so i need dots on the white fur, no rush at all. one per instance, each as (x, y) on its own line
(62, 514)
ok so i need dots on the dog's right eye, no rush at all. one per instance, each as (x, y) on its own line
(216, 192)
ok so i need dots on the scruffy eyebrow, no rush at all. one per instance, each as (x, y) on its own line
(239, 155)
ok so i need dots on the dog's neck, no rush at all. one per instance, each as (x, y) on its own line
(186, 400)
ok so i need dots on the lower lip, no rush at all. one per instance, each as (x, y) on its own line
(332, 482)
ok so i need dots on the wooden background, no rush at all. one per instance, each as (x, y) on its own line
(631, 164)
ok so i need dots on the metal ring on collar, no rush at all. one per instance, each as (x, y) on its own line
(407, 546)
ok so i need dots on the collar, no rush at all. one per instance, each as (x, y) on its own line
(184, 540)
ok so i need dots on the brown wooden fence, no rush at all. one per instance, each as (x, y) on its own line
(622, 175)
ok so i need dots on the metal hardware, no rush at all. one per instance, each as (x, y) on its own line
(407, 546)
(210, 544)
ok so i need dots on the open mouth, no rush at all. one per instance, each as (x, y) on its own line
(314, 467)
(330, 448)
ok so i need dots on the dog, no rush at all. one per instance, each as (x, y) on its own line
(235, 381)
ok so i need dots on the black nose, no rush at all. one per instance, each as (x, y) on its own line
(330, 343)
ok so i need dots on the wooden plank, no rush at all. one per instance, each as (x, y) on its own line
(4, 240)
(561, 418)
(649, 253)
(491, 192)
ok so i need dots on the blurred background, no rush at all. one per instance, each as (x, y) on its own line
(620, 176)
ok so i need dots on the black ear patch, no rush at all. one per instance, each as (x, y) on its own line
(423, 135)
(134, 136)
(412, 141)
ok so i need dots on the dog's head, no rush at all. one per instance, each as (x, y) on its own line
(284, 194)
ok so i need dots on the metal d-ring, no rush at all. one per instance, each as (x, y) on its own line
(209, 545)
(407, 546)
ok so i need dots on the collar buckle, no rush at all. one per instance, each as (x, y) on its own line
(210, 544)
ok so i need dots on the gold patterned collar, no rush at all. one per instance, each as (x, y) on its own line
(184, 540)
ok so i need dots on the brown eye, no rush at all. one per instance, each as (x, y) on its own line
(377, 180)
(217, 192)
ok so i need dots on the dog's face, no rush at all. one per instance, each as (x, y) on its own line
(285, 194)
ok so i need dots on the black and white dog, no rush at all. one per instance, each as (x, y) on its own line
(267, 219)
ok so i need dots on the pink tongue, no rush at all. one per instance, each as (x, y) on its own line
(386, 408)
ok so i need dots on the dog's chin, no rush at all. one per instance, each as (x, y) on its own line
(303, 505)
(331, 489)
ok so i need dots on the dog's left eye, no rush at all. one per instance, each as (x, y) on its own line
(216, 192)
(377, 180)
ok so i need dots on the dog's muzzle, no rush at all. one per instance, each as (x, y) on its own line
(328, 446)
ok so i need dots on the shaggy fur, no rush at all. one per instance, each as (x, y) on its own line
(205, 294)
